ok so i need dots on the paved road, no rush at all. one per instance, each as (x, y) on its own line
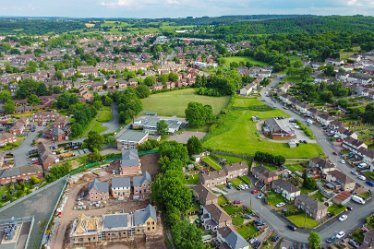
(278, 223)
(113, 124)
(321, 137)
(40, 205)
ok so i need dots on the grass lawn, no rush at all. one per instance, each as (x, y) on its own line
(104, 115)
(236, 132)
(174, 103)
(236, 182)
(271, 167)
(231, 159)
(237, 220)
(246, 180)
(318, 196)
(227, 60)
(369, 174)
(306, 191)
(295, 167)
(193, 179)
(247, 231)
(19, 141)
(222, 200)
(336, 209)
(274, 198)
(302, 220)
(232, 209)
(212, 163)
(94, 125)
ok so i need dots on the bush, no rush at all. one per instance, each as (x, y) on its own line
(305, 129)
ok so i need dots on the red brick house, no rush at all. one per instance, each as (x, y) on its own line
(142, 185)
(264, 175)
(98, 191)
(7, 138)
(130, 163)
(20, 173)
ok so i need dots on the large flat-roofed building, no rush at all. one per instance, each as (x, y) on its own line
(131, 139)
(149, 124)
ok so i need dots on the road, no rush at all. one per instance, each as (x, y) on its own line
(359, 213)
(278, 223)
(321, 137)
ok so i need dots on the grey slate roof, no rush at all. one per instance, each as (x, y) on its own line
(15, 171)
(233, 239)
(139, 180)
(287, 186)
(130, 158)
(102, 187)
(141, 215)
(113, 221)
(121, 182)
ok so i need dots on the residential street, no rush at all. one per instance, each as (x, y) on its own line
(355, 219)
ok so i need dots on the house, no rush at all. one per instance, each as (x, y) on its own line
(368, 242)
(275, 130)
(285, 87)
(204, 195)
(47, 157)
(142, 185)
(86, 229)
(324, 118)
(23, 173)
(7, 138)
(215, 217)
(286, 189)
(130, 139)
(345, 182)
(311, 207)
(114, 227)
(42, 118)
(214, 178)
(130, 163)
(236, 170)
(121, 188)
(353, 144)
(342, 198)
(246, 90)
(264, 175)
(323, 165)
(367, 156)
(98, 191)
(18, 128)
(231, 239)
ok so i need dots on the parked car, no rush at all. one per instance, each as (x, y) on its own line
(342, 161)
(260, 196)
(354, 173)
(343, 217)
(236, 202)
(339, 140)
(280, 204)
(362, 166)
(353, 243)
(255, 191)
(275, 238)
(247, 216)
(358, 199)
(349, 208)
(330, 240)
(370, 183)
(334, 153)
(259, 222)
(361, 177)
(291, 227)
(340, 235)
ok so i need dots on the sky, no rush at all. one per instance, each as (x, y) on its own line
(181, 8)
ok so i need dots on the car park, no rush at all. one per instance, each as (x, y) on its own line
(343, 217)
(340, 235)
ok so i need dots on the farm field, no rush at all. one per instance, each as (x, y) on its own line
(236, 132)
(175, 102)
(227, 60)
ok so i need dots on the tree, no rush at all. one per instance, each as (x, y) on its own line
(174, 150)
(314, 240)
(9, 107)
(143, 91)
(173, 77)
(368, 115)
(194, 145)
(309, 183)
(94, 140)
(33, 99)
(162, 127)
(198, 115)
(150, 80)
(95, 156)
(186, 235)
(65, 100)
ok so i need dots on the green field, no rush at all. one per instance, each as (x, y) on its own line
(301, 220)
(104, 115)
(174, 103)
(227, 60)
(212, 163)
(236, 132)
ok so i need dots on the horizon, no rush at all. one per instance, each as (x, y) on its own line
(140, 9)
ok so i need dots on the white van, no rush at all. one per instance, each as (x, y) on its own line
(358, 199)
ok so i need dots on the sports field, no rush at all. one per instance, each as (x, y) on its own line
(236, 132)
(174, 103)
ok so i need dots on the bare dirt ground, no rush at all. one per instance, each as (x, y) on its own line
(149, 163)
(185, 135)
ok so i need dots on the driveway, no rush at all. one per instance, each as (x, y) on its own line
(112, 125)
(279, 224)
